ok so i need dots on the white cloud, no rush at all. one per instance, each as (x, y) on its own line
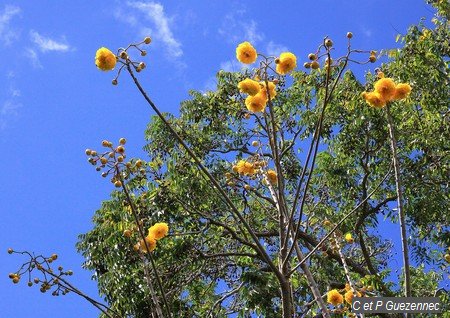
(236, 29)
(8, 34)
(126, 18)
(228, 66)
(46, 44)
(274, 49)
(33, 57)
(15, 92)
(9, 107)
(159, 29)
(367, 32)
(8, 110)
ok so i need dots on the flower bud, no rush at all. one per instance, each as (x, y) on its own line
(315, 65)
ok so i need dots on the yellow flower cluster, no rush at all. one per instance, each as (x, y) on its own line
(105, 59)
(386, 90)
(245, 168)
(272, 89)
(272, 176)
(348, 296)
(286, 63)
(258, 96)
(256, 104)
(249, 86)
(334, 297)
(246, 53)
(158, 231)
(155, 233)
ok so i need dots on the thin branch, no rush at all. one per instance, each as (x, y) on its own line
(401, 213)
(147, 248)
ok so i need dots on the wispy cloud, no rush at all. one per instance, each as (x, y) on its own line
(228, 66)
(157, 25)
(7, 33)
(10, 106)
(367, 32)
(33, 58)
(46, 44)
(236, 29)
(274, 49)
(8, 112)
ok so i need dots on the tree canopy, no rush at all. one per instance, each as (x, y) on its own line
(276, 187)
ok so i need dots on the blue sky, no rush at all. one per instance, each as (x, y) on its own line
(54, 103)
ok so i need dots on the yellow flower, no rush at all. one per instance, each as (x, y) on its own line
(374, 99)
(349, 296)
(286, 63)
(105, 59)
(385, 87)
(245, 167)
(158, 230)
(256, 103)
(272, 90)
(151, 243)
(401, 91)
(349, 238)
(249, 86)
(272, 176)
(246, 53)
(334, 297)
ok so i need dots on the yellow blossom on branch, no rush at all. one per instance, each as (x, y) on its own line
(158, 230)
(385, 87)
(151, 243)
(246, 53)
(256, 104)
(249, 86)
(244, 167)
(272, 90)
(374, 99)
(401, 91)
(349, 296)
(334, 297)
(286, 63)
(105, 59)
(272, 176)
(385, 91)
